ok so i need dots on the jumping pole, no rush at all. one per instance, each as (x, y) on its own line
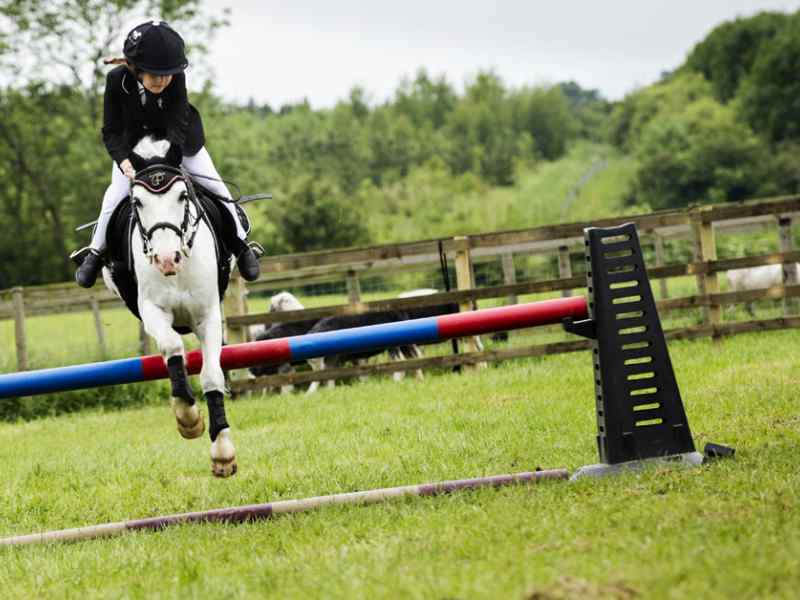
(257, 512)
(238, 356)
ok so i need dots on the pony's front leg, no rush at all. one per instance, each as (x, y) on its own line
(223, 453)
(158, 323)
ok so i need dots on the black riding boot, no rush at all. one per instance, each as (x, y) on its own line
(86, 274)
(247, 261)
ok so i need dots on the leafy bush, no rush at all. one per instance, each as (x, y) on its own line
(656, 102)
(317, 214)
(702, 155)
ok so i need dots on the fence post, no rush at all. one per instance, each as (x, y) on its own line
(564, 268)
(353, 288)
(465, 281)
(235, 304)
(98, 327)
(17, 296)
(660, 262)
(789, 269)
(144, 340)
(705, 249)
(509, 275)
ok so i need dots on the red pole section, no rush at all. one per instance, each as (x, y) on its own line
(489, 320)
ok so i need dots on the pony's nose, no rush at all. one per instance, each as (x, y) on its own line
(166, 264)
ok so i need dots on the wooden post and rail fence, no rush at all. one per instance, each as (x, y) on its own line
(699, 225)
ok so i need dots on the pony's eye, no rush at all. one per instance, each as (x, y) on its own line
(183, 197)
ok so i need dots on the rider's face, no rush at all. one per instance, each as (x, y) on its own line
(155, 84)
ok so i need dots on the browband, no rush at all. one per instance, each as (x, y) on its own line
(158, 178)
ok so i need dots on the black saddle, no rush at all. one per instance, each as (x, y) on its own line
(119, 257)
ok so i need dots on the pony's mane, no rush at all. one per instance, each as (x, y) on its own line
(149, 147)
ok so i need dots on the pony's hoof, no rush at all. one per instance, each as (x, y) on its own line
(188, 418)
(191, 432)
(222, 468)
(223, 455)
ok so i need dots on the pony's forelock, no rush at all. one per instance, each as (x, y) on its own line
(149, 147)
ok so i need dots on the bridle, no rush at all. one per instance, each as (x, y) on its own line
(158, 179)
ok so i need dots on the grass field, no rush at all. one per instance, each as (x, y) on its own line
(727, 530)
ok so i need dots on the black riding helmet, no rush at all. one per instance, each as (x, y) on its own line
(155, 47)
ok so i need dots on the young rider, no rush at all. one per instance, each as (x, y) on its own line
(147, 95)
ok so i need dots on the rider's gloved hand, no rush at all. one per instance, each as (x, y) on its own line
(127, 169)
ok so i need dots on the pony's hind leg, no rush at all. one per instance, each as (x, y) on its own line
(223, 452)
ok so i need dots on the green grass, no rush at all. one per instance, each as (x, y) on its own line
(727, 530)
(551, 192)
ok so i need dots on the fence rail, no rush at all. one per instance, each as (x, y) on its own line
(699, 224)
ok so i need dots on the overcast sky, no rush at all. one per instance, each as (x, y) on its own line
(284, 51)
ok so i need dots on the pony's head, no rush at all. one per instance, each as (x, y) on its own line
(161, 210)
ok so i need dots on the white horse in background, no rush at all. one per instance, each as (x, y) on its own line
(175, 263)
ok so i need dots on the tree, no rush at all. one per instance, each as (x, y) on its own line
(480, 132)
(769, 98)
(662, 100)
(394, 145)
(589, 109)
(727, 54)
(543, 113)
(317, 215)
(424, 101)
(702, 155)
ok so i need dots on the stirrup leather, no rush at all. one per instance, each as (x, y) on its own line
(257, 249)
(78, 256)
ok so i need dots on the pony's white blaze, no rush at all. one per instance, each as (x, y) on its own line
(168, 207)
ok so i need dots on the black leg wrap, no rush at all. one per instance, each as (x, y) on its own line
(216, 413)
(179, 380)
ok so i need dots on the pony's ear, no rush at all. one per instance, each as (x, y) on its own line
(174, 156)
(140, 163)
(137, 161)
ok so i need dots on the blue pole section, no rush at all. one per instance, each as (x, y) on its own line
(61, 379)
(357, 339)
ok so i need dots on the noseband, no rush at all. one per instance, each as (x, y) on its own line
(159, 179)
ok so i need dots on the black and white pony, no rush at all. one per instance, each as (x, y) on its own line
(175, 261)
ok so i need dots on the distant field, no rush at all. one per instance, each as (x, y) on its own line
(728, 530)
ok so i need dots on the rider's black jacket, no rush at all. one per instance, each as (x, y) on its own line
(168, 114)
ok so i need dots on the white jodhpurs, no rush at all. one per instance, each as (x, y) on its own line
(199, 164)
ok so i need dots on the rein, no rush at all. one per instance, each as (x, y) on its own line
(158, 179)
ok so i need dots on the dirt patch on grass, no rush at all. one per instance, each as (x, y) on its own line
(572, 587)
